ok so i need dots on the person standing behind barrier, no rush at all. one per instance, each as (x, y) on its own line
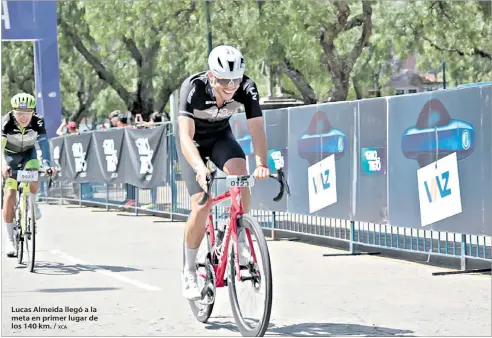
(71, 128)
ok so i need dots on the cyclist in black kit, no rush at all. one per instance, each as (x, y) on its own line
(207, 101)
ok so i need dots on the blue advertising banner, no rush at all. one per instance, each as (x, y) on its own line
(37, 21)
(371, 188)
(276, 126)
(320, 153)
(435, 158)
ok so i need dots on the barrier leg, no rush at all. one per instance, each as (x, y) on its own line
(135, 207)
(80, 196)
(351, 246)
(274, 225)
(463, 269)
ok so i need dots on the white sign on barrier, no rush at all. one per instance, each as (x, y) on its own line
(322, 184)
(439, 190)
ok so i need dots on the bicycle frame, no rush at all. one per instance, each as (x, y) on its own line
(235, 212)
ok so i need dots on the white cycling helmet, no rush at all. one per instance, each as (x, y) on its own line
(226, 62)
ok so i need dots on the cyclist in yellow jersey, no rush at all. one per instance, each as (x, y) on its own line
(21, 129)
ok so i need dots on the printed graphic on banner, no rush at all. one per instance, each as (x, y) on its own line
(111, 154)
(373, 161)
(321, 137)
(275, 160)
(322, 183)
(79, 153)
(439, 190)
(145, 153)
(57, 148)
(436, 134)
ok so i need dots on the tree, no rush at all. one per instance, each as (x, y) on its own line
(17, 70)
(142, 63)
(296, 38)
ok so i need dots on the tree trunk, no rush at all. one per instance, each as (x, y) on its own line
(340, 67)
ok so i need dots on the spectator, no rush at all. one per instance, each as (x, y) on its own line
(67, 128)
(113, 117)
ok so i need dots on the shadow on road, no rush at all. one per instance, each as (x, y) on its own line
(88, 289)
(55, 268)
(318, 329)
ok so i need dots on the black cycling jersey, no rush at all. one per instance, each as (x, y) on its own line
(197, 101)
(22, 139)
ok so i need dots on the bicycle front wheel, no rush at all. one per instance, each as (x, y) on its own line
(256, 275)
(18, 232)
(30, 234)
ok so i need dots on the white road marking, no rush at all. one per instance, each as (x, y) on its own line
(106, 272)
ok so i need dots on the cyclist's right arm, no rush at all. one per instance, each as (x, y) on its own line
(189, 97)
(5, 120)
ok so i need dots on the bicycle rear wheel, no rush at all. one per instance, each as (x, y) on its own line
(256, 276)
(202, 311)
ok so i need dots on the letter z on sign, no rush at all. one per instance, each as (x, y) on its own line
(322, 184)
(439, 190)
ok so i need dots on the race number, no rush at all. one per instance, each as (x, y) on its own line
(27, 176)
(233, 181)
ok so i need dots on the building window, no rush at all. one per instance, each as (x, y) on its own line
(374, 93)
(412, 91)
(399, 91)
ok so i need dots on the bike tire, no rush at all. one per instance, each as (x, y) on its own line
(32, 229)
(19, 240)
(200, 315)
(260, 330)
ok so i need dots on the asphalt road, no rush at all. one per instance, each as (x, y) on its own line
(126, 272)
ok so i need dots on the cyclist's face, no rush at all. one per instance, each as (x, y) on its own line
(225, 88)
(23, 116)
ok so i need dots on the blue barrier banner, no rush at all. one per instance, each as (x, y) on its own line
(338, 141)
(429, 187)
(276, 126)
(316, 133)
(37, 21)
(371, 188)
(486, 99)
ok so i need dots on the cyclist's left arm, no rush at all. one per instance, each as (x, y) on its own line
(43, 142)
(4, 143)
(255, 122)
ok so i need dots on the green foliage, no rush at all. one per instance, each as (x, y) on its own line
(148, 47)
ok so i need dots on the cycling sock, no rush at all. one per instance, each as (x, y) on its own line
(9, 228)
(190, 258)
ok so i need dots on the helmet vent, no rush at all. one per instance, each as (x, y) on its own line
(220, 62)
(231, 65)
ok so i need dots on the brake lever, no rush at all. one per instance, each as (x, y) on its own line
(206, 194)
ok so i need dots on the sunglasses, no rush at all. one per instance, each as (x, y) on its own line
(19, 113)
(228, 82)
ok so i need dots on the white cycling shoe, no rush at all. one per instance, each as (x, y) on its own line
(190, 286)
(9, 248)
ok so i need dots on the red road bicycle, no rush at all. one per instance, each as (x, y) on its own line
(214, 272)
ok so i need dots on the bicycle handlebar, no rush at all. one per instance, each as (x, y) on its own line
(49, 172)
(279, 177)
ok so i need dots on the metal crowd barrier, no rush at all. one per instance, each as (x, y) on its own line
(466, 252)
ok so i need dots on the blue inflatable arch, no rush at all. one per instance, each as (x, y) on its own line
(36, 21)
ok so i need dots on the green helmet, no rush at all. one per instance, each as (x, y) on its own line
(23, 100)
